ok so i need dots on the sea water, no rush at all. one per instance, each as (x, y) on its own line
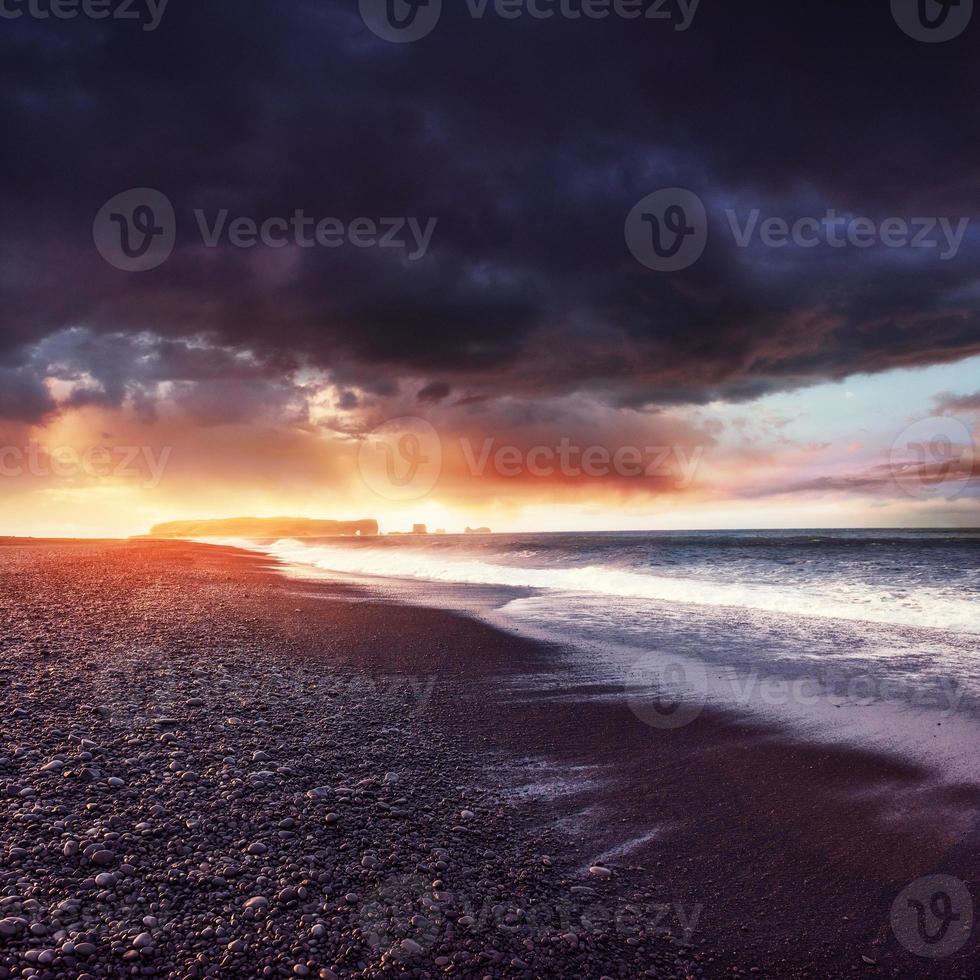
(871, 635)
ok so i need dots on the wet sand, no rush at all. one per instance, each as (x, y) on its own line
(235, 699)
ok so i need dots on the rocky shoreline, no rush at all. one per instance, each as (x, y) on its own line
(203, 776)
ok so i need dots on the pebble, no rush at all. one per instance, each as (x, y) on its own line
(303, 828)
(11, 926)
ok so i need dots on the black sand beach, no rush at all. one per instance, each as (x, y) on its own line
(212, 770)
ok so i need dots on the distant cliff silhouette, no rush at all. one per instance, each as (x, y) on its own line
(263, 527)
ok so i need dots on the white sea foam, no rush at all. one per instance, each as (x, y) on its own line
(837, 658)
(857, 603)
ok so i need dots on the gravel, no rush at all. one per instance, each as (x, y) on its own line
(186, 794)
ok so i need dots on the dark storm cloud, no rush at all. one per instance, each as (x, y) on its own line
(211, 385)
(529, 141)
(22, 397)
(434, 393)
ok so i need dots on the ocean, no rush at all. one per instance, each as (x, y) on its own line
(865, 635)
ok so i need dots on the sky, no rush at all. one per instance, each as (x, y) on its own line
(715, 266)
